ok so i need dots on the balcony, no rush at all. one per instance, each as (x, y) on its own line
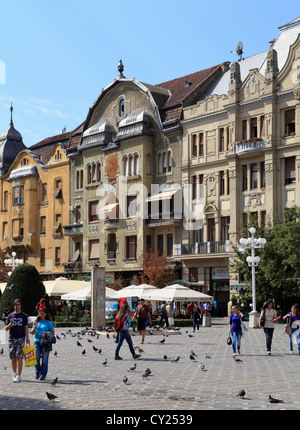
(160, 220)
(203, 248)
(249, 145)
(73, 266)
(73, 229)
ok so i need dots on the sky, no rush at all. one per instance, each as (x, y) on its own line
(56, 56)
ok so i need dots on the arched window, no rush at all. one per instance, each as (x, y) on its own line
(122, 108)
(98, 169)
(169, 161)
(136, 164)
(89, 174)
(126, 166)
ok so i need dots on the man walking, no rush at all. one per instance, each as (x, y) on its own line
(17, 325)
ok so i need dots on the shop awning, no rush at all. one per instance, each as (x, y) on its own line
(108, 208)
(164, 195)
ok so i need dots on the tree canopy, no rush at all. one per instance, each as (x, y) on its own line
(278, 273)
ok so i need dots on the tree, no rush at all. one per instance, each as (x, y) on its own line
(278, 273)
(157, 269)
(25, 283)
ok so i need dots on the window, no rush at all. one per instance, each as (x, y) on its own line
(160, 244)
(93, 213)
(194, 187)
(244, 129)
(18, 195)
(58, 189)
(169, 161)
(89, 174)
(148, 243)
(131, 247)
(225, 224)
(221, 140)
(42, 256)
(245, 178)
(18, 227)
(290, 171)
(94, 249)
(79, 179)
(289, 122)
(194, 145)
(193, 274)
(131, 206)
(57, 255)
(222, 183)
(78, 214)
(211, 229)
(262, 126)
(201, 186)
(122, 108)
(262, 175)
(253, 128)
(253, 180)
(169, 245)
(164, 162)
(24, 162)
(5, 200)
(43, 225)
(201, 145)
(57, 229)
(4, 230)
(44, 192)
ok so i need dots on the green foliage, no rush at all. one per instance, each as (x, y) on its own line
(25, 283)
(278, 273)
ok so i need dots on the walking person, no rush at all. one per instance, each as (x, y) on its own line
(17, 325)
(235, 329)
(164, 315)
(196, 317)
(143, 316)
(122, 316)
(42, 325)
(293, 317)
(269, 316)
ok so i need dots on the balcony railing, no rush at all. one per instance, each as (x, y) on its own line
(202, 248)
(247, 145)
(73, 229)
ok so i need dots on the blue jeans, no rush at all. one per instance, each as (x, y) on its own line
(196, 321)
(236, 340)
(291, 338)
(123, 334)
(269, 336)
(42, 354)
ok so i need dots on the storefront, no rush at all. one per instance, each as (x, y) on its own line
(219, 288)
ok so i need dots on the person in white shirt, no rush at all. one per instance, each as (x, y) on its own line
(268, 313)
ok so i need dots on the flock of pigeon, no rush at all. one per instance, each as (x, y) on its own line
(111, 333)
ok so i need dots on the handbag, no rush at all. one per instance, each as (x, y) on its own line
(229, 340)
(287, 328)
(263, 318)
(48, 338)
(29, 355)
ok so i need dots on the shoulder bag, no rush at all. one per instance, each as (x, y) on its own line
(263, 318)
(287, 328)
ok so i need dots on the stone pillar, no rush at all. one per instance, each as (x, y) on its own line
(98, 297)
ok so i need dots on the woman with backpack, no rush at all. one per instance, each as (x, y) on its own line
(121, 327)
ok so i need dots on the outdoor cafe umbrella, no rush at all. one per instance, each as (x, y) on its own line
(178, 293)
(85, 294)
(61, 286)
(136, 291)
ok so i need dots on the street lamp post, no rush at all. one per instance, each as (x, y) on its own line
(13, 263)
(253, 260)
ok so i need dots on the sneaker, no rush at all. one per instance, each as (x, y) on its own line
(17, 378)
(117, 357)
(37, 376)
(42, 378)
(136, 356)
(269, 352)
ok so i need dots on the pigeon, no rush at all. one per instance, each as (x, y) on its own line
(107, 335)
(145, 375)
(175, 360)
(51, 396)
(55, 353)
(237, 360)
(104, 362)
(163, 340)
(190, 335)
(206, 355)
(125, 379)
(201, 365)
(83, 352)
(132, 368)
(1, 352)
(89, 340)
(57, 337)
(54, 382)
(78, 344)
(139, 349)
(192, 357)
(193, 353)
(100, 350)
(241, 394)
(272, 400)
(148, 371)
(95, 349)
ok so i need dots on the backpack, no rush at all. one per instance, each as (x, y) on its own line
(118, 323)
